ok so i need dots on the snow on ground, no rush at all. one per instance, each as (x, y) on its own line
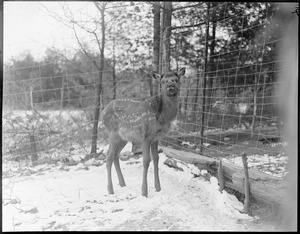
(269, 164)
(74, 198)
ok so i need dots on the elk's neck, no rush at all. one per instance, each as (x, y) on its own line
(168, 109)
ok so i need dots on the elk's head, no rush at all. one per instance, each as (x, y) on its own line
(170, 82)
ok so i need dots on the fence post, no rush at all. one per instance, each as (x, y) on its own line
(34, 156)
(221, 176)
(246, 184)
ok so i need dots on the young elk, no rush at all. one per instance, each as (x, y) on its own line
(142, 122)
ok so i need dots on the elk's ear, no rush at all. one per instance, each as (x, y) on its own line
(181, 72)
(156, 76)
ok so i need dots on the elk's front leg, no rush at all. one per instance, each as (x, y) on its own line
(155, 157)
(146, 162)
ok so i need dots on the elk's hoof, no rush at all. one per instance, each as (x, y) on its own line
(145, 193)
(122, 183)
(110, 190)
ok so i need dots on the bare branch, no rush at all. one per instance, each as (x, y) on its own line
(188, 26)
(43, 119)
(183, 7)
(91, 32)
(74, 22)
(100, 6)
(84, 51)
(98, 42)
(97, 6)
(56, 16)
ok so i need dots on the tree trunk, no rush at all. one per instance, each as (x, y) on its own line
(156, 43)
(212, 66)
(150, 80)
(99, 88)
(167, 19)
(114, 72)
(204, 78)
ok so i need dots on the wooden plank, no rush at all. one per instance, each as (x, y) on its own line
(263, 187)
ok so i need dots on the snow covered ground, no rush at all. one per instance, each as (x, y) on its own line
(274, 165)
(74, 198)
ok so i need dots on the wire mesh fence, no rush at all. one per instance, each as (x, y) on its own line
(227, 101)
(54, 114)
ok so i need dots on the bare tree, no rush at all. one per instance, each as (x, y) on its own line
(166, 35)
(212, 64)
(156, 42)
(101, 7)
(69, 20)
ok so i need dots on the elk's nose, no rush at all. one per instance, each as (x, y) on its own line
(170, 86)
(170, 83)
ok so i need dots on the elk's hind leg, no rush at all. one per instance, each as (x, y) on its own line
(116, 144)
(119, 148)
